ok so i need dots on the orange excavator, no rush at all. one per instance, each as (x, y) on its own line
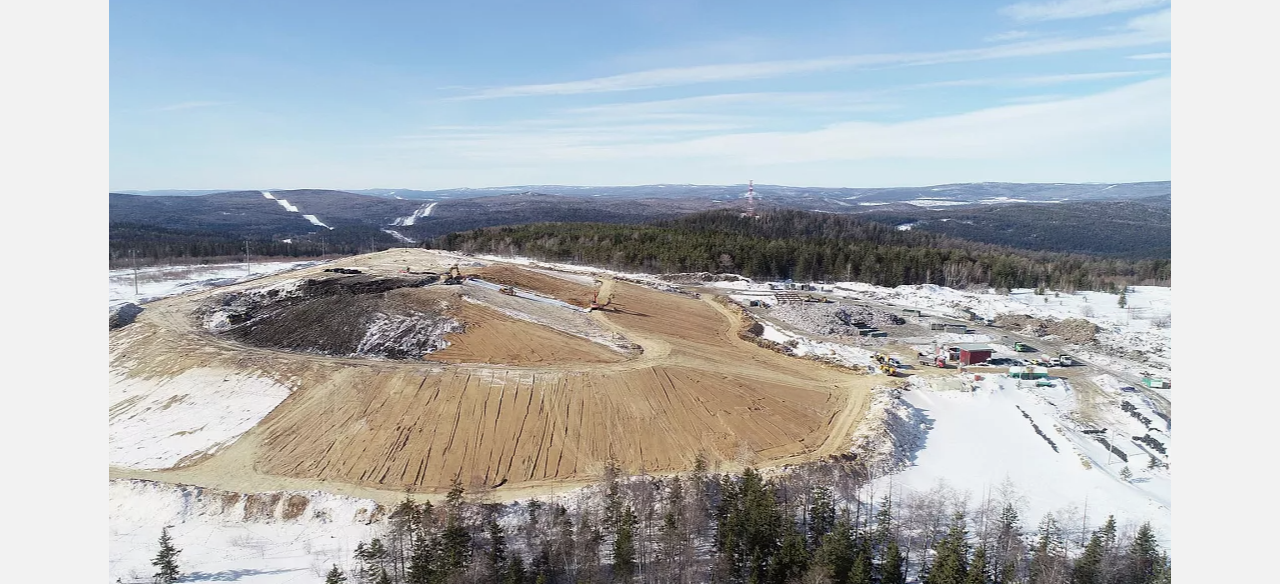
(595, 301)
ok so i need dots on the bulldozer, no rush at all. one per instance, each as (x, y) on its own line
(888, 369)
(508, 290)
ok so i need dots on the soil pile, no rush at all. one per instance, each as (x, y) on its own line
(1075, 330)
(353, 315)
(122, 315)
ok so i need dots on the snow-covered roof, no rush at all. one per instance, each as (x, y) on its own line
(972, 346)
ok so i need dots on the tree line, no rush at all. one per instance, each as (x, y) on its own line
(806, 246)
(149, 244)
(819, 524)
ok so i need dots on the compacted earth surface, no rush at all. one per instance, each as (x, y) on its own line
(389, 376)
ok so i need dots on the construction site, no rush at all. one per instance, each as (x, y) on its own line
(404, 369)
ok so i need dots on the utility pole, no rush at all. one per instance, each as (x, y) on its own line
(134, 256)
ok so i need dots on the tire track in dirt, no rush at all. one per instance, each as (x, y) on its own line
(391, 426)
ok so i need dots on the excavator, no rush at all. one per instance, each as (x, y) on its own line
(595, 301)
(454, 275)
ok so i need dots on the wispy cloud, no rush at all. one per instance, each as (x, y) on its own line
(1138, 33)
(190, 105)
(1034, 79)
(1064, 9)
(1036, 98)
(1009, 35)
(1148, 56)
(1007, 131)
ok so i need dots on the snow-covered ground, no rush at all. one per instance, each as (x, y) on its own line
(156, 423)
(316, 222)
(225, 539)
(162, 281)
(399, 236)
(1144, 324)
(847, 355)
(423, 211)
(981, 439)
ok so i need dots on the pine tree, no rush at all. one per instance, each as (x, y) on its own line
(822, 515)
(335, 576)
(383, 577)
(1088, 568)
(862, 572)
(514, 570)
(1008, 545)
(455, 540)
(1122, 301)
(1126, 474)
(837, 551)
(1047, 560)
(624, 547)
(950, 565)
(892, 571)
(1143, 558)
(978, 569)
(422, 560)
(883, 532)
(497, 558)
(166, 560)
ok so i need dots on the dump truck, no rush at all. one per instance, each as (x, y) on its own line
(1021, 347)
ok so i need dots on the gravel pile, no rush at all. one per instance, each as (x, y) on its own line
(833, 319)
(699, 277)
(1075, 330)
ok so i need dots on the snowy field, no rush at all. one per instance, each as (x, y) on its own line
(1144, 324)
(233, 539)
(159, 282)
(980, 440)
(156, 423)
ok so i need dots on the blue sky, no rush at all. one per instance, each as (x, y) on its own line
(822, 93)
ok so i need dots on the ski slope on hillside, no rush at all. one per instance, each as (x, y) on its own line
(423, 211)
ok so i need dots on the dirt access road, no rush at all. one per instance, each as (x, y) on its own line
(546, 417)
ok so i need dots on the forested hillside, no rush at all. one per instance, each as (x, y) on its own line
(1140, 229)
(805, 246)
(819, 526)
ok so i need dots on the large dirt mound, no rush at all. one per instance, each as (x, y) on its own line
(354, 315)
(509, 401)
(1075, 330)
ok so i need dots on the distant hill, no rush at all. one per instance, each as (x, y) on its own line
(1121, 220)
(1136, 229)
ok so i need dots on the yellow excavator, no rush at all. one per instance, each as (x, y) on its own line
(454, 275)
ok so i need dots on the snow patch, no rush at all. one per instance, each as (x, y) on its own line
(891, 433)
(313, 220)
(423, 211)
(286, 205)
(399, 237)
(157, 423)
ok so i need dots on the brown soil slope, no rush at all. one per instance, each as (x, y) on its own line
(494, 338)
(554, 411)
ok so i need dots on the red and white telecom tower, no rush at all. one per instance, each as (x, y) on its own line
(751, 198)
